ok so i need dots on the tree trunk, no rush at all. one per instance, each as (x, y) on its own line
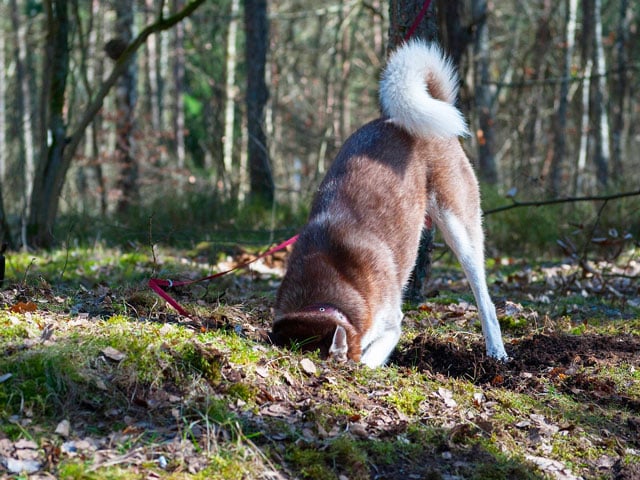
(487, 169)
(602, 152)
(44, 194)
(256, 44)
(154, 99)
(583, 151)
(534, 122)
(5, 232)
(456, 37)
(402, 14)
(560, 127)
(24, 107)
(620, 90)
(127, 183)
(230, 98)
(4, 147)
(178, 75)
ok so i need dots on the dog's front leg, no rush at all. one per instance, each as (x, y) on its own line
(466, 239)
(379, 342)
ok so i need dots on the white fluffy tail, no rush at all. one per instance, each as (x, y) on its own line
(418, 91)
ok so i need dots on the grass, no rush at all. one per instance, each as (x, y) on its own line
(210, 398)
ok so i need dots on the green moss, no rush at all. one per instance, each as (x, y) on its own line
(309, 462)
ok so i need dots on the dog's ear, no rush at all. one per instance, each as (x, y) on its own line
(339, 347)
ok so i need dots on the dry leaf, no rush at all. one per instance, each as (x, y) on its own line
(63, 428)
(113, 354)
(308, 366)
(447, 396)
(23, 307)
(22, 466)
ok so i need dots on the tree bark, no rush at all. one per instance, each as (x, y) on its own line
(126, 97)
(487, 169)
(560, 123)
(621, 89)
(4, 147)
(44, 195)
(230, 98)
(5, 232)
(262, 188)
(402, 14)
(24, 107)
(178, 92)
(602, 152)
(584, 130)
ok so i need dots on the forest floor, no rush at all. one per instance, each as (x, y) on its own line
(99, 379)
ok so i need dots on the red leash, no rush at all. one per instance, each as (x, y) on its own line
(157, 284)
(417, 20)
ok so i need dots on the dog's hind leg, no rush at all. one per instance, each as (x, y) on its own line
(466, 239)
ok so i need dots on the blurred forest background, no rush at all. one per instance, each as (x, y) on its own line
(180, 118)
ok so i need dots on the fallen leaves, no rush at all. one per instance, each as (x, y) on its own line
(23, 307)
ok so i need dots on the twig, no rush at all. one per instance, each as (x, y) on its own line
(539, 203)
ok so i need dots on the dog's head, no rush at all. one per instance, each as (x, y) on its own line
(318, 327)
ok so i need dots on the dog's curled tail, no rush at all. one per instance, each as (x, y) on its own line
(418, 90)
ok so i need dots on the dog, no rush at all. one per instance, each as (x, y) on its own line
(343, 288)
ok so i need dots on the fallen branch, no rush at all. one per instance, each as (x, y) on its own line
(539, 203)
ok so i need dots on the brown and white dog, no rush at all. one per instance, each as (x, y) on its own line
(342, 293)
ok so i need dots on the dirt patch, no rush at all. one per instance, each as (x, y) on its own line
(563, 358)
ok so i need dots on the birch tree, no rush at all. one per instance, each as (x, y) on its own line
(602, 134)
(230, 97)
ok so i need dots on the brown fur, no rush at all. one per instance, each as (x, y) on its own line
(376, 194)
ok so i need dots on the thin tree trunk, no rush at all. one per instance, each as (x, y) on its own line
(602, 152)
(560, 127)
(5, 232)
(94, 73)
(127, 183)
(534, 121)
(256, 43)
(584, 130)
(4, 148)
(230, 98)
(487, 169)
(621, 90)
(152, 63)
(89, 71)
(178, 94)
(23, 104)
